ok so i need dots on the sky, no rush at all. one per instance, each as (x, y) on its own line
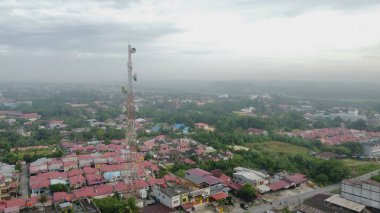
(74, 41)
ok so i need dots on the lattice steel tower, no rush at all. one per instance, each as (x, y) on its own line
(130, 149)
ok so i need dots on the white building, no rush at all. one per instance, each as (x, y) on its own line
(365, 192)
(171, 197)
(249, 176)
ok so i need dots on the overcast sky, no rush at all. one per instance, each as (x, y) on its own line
(190, 39)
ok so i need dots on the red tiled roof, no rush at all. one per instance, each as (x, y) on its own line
(235, 186)
(217, 172)
(154, 181)
(225, 179)
(296, 178)
(94, 179)
(20, 202)
(109, 154)
(200, 124)
(52, 175)
(219, 196)
(104, 189)
(40, 184)
(85, 157)
(169, 178)
(74, 172)
(120, 187)
(211, 180)
(113, 167)
(188, 161)
(84, 192)
(77, 179)
(145, 164)
(61, 196)
(139, 184)
(280, 184)
(56, 122)
(89, 170)
(198, 172)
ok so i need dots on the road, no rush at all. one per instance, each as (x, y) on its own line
(24, 181)
(296, 199)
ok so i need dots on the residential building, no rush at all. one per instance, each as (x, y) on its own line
(205, 179)
(171, 197)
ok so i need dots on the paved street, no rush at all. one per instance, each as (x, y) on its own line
(296, 199)
(24, 181)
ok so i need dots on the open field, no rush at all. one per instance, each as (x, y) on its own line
(21, 154)
(359, 167)
(277, 147)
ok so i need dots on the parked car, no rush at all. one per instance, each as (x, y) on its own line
(244, 206)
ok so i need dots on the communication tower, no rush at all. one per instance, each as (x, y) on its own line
(130, 150)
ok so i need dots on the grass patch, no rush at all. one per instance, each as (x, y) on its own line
(278, 147)
(359, 167)
(20, 154)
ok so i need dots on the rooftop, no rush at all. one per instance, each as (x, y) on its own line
(174, 191)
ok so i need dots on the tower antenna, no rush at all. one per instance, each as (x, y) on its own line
(130, 150)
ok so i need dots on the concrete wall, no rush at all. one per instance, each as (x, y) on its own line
(363, 193)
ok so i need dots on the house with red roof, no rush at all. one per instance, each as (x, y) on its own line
(71, 157)
(55, 165)
(296, 179)
(60, 197)
(188, 161)
(38, 169)
(40, 184)
(75, 172)
(70, 165)
(219, 174)
(94, 179)
(205, 179)
(83, 193)
(77, 181)
(103, 190)
(120, 187)
(140, 184)
(203, 126)
(31, 116)
(90, 170)
(280, 184)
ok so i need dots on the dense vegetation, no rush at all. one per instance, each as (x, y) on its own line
(376, 177)
(116, 204)
(321, 171)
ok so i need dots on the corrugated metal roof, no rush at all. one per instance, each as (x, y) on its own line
(339, 201)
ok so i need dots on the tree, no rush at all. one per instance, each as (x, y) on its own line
(18, 167)
(247, 192)
(321, 178)
(42, 199)
(58, 188)
(359, 125)
(131, 205)
(116, 204)
(180, 173)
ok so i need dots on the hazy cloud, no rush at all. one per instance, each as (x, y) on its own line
(273, 39)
